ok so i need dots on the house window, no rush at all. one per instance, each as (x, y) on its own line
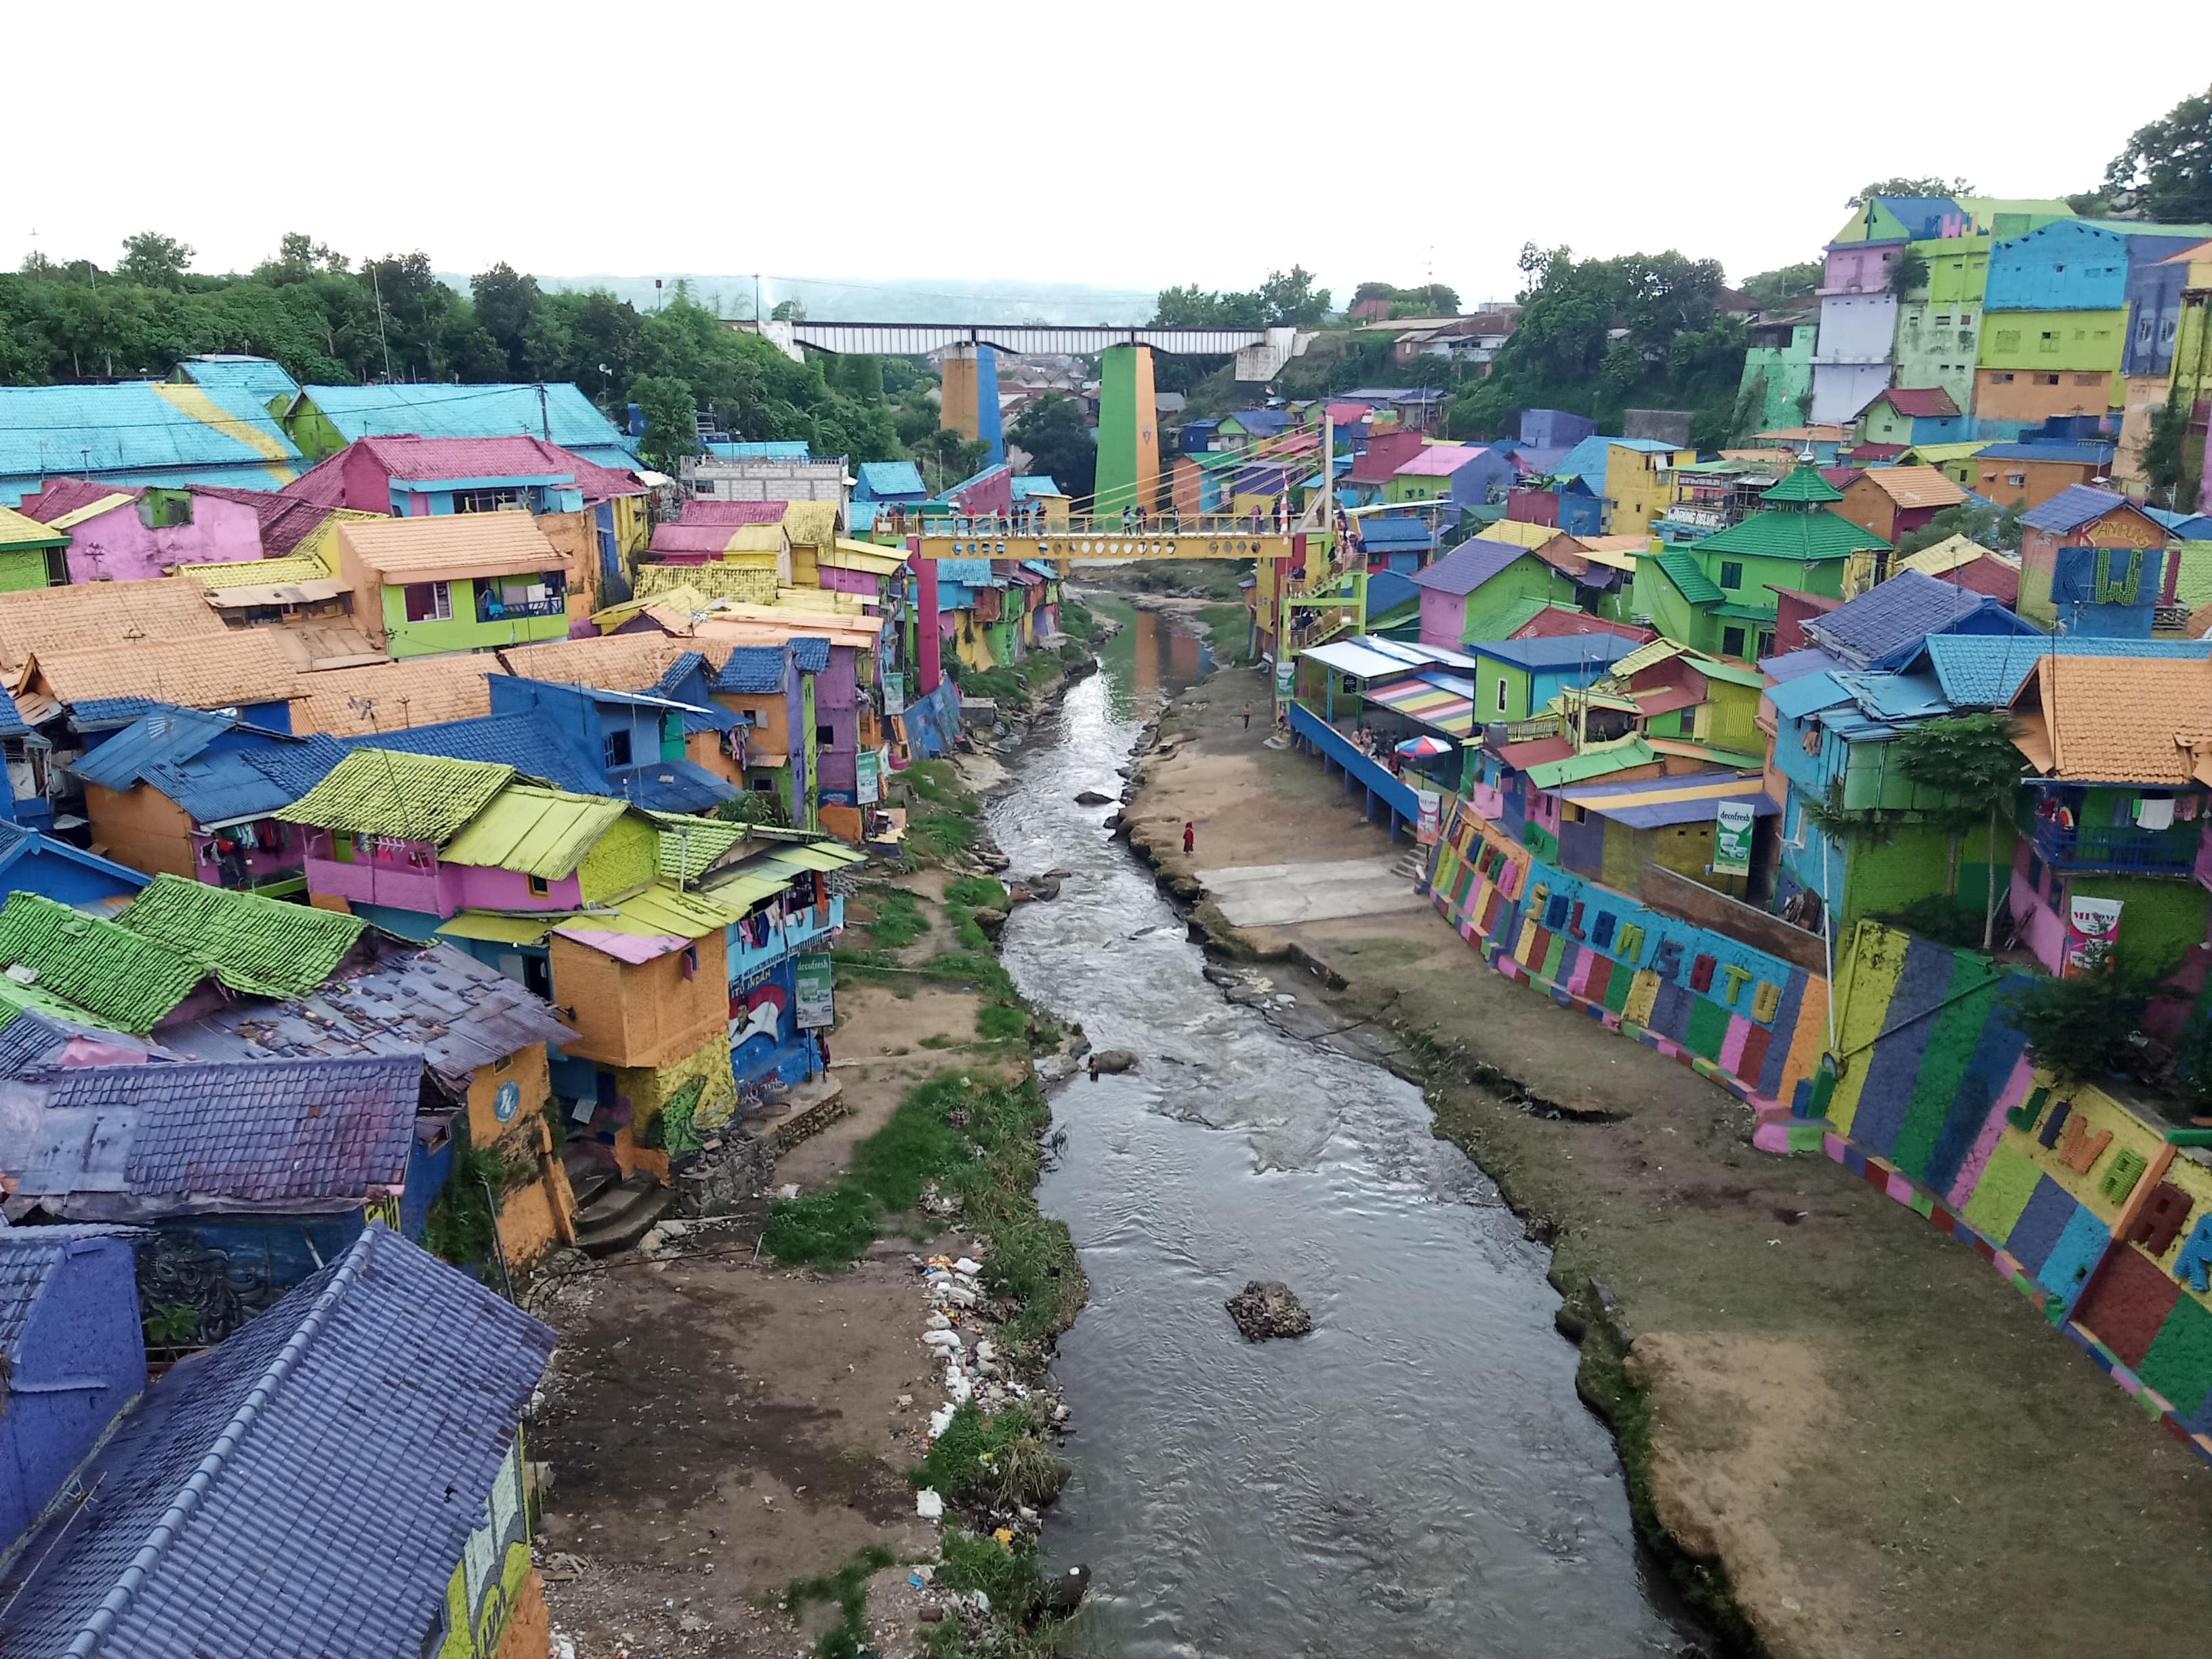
(1571, 813)
(1943, 322)
(1731, 572)
(2048, 341)
(485, 501)
(1766, 643)
(2046, 379)
(763, 786)
(1501, 694)
(429, 602)
(2001, 379)
(539, 887)
(1731, 641)
(2142, 331)
(825, 736)
(2016, 479)
(2087, 379)
(618, 748)
(2007, 339)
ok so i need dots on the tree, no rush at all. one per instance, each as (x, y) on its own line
(2083, 1026)
(2166, 170)
(1912, 187)
(788, 311)
(672, 422)
(1193, 307)
(1773, 287)
(1971, 761)
(153, 260)
(1291, 298)
(2165, 452)
(946, 457)
(1052, 432)
(506, 306)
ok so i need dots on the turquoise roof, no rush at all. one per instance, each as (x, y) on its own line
(567, 418)
(132, 428)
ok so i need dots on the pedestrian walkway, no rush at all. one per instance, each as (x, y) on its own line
(1278, 894)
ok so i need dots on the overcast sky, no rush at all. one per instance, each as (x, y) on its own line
(1133, 144)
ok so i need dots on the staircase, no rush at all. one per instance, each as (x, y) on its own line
(622, 1214)
(1413, 863)
(591, 1167)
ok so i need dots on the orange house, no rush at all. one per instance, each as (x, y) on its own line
(2081, 517)
(1893, 501)
(2028, 475)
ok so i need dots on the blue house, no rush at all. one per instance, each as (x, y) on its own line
(639, 740)
(29, 758)
(1886, 627)
(1554, 428)
(326, 418)
(71, 1354)
(894, 482)
(1394, 542)
(277, 1163)
(33, 863)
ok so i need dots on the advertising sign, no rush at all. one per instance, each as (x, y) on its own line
(1732, 839)
(895, 693)
(2093, 927)
(1432, 817)
(868, 777)
(816, 1002)
(1286, 677)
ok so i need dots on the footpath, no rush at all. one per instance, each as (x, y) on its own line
(816, 1420)
(1845, 1435)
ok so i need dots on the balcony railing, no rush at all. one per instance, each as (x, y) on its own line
(491, 610)
(2147, 852)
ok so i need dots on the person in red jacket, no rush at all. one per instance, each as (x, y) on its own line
(1189, 838)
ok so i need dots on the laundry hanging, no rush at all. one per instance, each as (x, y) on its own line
(2155, 812)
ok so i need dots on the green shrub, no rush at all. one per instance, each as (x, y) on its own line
(827, 1229)
(899, 919)
(996, 1457)
(1001, 1022)
(2084, 1026)
(977, 892)
(847, 1588)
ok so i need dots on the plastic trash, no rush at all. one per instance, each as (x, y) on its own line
(940, 1419)
(928, 1505)
(968, 1267)
(948, 1340)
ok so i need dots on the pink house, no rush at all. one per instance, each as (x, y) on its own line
(1859, 267)
(122, 533)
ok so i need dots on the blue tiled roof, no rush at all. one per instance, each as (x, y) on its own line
(168, 748)
(306, 1486)
(317, 1135)
(1557, 650)
(1978, 671)
(254, 381)
(530, 743)
(11, 719)
(810, 652)
(678, 672)
(2072, 506)
(1387, 590)
(671, 786)
(754, 670)
(1467, 565)
(1260, 422)
(1894, 614)
(28, 1256)
(883, 481)
(48, 430)
(19, 840)
(94, 712)
(1395, 532)
(439, 409)
(2093, 454)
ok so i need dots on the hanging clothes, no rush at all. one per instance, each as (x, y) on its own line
(2155, 813)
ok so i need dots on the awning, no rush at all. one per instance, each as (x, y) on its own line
(494, 929)
(1431, 705)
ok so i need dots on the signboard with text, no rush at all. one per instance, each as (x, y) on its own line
(1732, 834)
(816, 1001)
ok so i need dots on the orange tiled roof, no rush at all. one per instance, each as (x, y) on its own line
(2118, 719)
(1914, 486)
(415, 692)
(91, 616)
(452, 545)
(613, 662)
(235, 667)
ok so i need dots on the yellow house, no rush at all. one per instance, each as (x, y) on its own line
(1639, 482)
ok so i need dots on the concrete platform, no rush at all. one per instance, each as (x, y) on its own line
(1278, 894)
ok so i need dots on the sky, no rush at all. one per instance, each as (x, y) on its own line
(1135, 145)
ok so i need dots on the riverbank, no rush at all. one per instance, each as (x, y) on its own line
(1840, 1467)
(734, 1421)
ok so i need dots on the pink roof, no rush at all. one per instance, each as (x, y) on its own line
(1556, 622)
(702, 539)
(1438, 461)
(404, 455)
(1921, 400)
(732, 512)
(1349, 414)
(323, 484)
(61, 495)
(625, 947)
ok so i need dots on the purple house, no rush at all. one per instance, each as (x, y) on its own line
(71, 1352)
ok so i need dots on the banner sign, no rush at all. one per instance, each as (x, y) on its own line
(1732, 839)
(1432, 817)
(816, 1001)
(868, 777)
(2093, 927)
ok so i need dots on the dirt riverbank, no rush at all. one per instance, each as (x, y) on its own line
(1882, 1446)
(718, 1425)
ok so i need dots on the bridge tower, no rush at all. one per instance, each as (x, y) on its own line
(970, 392)
(1129, 432)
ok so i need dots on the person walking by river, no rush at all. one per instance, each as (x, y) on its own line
(1189, 838)
(1248, 717)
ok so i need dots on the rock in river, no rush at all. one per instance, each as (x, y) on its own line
(1112, 1060)
(1265, 1308)
(1092, 798)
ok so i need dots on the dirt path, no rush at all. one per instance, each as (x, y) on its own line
(1886, 1445)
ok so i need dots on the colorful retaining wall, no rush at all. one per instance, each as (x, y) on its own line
(2077, 1197)
(1751, 1022)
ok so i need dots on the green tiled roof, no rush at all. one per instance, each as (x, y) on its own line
(1802, 536)
(388, 792)
(1744, 613)
(688, 845)
(1735, 674)
(261, 945)
(121, 979)
(1686, 574)
(1804, 483)
(535, 828)
(1597, 761)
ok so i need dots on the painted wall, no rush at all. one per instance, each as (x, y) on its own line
(633, 1015)
(1850, 360)
(462, 631)
(1858, 267)
(2064, 266)
(80, 1360)
(1635, 494)
(1784, 377)
(118, 545)
(494, 1591)
(1129, 441)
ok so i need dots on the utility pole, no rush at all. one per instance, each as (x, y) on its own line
(544, 421)
(376, 287)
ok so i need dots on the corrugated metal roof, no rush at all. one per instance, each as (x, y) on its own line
(135, 426)
(671, 786)
(539, 831)
(441, 410)
(298, 1489)
(1438, 460)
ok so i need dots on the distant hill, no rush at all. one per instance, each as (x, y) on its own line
(919, 301)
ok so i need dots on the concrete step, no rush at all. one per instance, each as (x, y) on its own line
(591, 1167)
(623, 1216)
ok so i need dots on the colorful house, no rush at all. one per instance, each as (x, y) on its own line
(192, 793)
(1515, 678)
(465, 582)
(1893, 501)
(137, 432)
(1483, 589)
(1912, 414)
(323, 419)
(1638, 485)
(2091, 562)
(766, 686)
(1464, 475)
(33, 863)
(31, 555)
(429, 1372)
(1714, 594)
(2113, 811)
(1777, 368)
(1939, 322)
(2029, 472)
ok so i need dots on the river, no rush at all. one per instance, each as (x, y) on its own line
(1417, 1477)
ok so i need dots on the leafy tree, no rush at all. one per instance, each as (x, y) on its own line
(1192, 307)
(672, 427)
(2166, 170)
(299, 257)
(1972, 763)
(1772, 288)
(1054, 434)
(1910, 274)
(788, 311)
(506, 304)
(153, 260)
(2083, 1026)
(1289, 299)
(1996, 528)
(1912, 187)
(2165, 452)
(946, 457)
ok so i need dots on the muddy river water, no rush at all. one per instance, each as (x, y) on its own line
(1417, 1477)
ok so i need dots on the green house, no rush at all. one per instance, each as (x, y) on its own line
(1717, 595)
(31, 553)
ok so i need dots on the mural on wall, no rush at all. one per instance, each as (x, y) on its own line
(482, 1595)
(1747, 1020)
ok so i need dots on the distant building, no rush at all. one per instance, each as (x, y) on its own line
(322, 420)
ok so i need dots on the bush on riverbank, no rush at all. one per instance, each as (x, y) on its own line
(997, 1458)
(1010, 1576)
(945, 818)
(899, 919)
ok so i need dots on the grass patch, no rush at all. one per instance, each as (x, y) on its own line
(1001, 1022)
(847, 1588)
(941, 1041)
(977, 892)
(899, 919)
(996, 1457)
(828, 1229)
(944, 819)
(1015, 1584)
(1228, 630)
